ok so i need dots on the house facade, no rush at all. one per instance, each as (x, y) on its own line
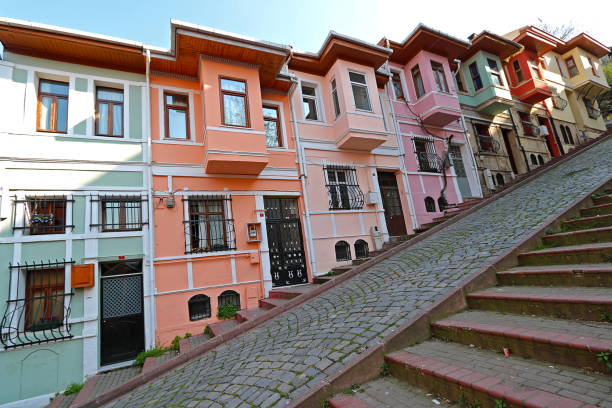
(75, 287)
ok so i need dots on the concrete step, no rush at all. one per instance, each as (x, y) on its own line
(399, 238)
(270, 303)
(587, 223)
(602, 199)
(587, 275)
(319, 280)
(100, 383)
(560, 341)
(574, 254)
(601, 209)
(290, 292)
(562, 302)
(359, 261)
(339, 270)
(222, 327)
(152, 362)
(586, 236)
(250, 314)
(347, 401)
(487, 379)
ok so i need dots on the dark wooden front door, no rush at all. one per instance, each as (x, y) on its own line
(122, 325)
(392, 204)
(287, 258)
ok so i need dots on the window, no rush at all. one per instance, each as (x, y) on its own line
(528, 126)
(561, 67)
(344, 192)
(52, 106)
(208, 228)
(427, 159)
(459, 82)
(571, 66)
(430, 204)
(44, 305)
(398, 90)
(234, 102)
(109, 112)
(518, 71)
(360, 91)
(535, 68)
(361, 249)
(476, 80)
(176, 116)
(565, 138)
(500, 179)
(540, 160)
(495, 75)
(592, 65)
(486, 143)
(343, 251)
(272, 126)
(229, 298)
(418, 82)
(335, 98)
(199, 307)
(439, 77)
(45, 215)
(121, 214)
(569, 134)
(533, 159)
(309, 102)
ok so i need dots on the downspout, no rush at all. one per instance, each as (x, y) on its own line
(151, 225)
(519, 140)
(303, 175)
(402, 152)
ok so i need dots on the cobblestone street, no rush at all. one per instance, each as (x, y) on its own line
(282, 359)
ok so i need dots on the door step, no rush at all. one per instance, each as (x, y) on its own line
(270, 303)
(585, 236)
(219, 328)
(587, 223)
(574, 254)
(586, 275)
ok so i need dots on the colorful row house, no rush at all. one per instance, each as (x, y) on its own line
(144, 190)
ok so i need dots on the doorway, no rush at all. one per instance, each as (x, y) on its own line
(506, 135)
(462, 179)
(394, 216)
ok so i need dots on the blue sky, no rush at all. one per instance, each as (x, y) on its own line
(305, 24)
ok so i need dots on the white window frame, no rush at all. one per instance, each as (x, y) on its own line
(334, 89)
(281, 115)
(366, 86)
(316, 98)
(400, 75)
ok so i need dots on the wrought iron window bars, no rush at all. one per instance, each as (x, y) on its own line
(118, 212)
(429, 162)
(208, 229)
(342, 187)
(40, 312)
(42, 214)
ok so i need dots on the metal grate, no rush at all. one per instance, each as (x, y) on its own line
(208, 229)
(559, 102)
(119, 213)
(229, 298)
(41, 311)
(361, 249)
(487, 144)
(343, 251)
(199, 307)
(429, 162)
(343, 189)
(42, 215)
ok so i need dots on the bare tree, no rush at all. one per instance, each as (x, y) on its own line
(563, 31)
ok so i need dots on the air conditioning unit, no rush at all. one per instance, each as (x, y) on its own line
(543, 130)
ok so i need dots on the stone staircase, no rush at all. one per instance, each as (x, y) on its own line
(541, 338)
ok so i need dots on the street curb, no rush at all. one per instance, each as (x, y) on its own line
(145, 377)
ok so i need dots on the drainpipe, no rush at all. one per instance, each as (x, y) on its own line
(303, 175)
(151, 225)
(519, 140)
(402, 153)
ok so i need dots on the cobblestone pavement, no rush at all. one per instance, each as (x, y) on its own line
(283, 358)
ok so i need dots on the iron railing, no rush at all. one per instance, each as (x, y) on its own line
(40, 312)
(559, 102)
(118, 213)
(488, 144)
(208, 229)
(42, 215)
(342, 188)
(429, 162)
(529, 129)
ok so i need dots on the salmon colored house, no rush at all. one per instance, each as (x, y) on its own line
(227, 193)
(357, 194)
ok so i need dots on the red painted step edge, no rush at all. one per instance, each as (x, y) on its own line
(579, 232)
(563, 250)
(347, 401)
(497, 388)
(542, 297)
(591, 344)
(555, 271)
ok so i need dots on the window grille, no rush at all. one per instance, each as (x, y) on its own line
(361, 249)
(593, 112)
(41, 310)
(229, 298)
(559, 102)
(486, 143)
(343, 189)
(343, 251)
(430, 204)
(118, 213)
(208, 229)
(199, 307)
(42, 215)
(427, 159)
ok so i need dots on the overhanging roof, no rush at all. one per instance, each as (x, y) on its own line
(587, 43)
(493, 44)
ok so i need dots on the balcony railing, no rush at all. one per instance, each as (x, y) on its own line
(488, 144)
(559, 102)
(429, 162)
(345, 197)
(593, 112)
(529, 129)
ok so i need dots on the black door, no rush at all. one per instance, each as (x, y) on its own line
(394, 216)
(287, 258)
(122, 325)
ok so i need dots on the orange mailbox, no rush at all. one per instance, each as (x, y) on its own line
(82, 276)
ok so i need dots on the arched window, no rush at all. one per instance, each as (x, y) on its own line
(361, 249)
(441, 204)
(540, 159)
(569, 134)
(199, 307)
(430, 204)
(343, 251)
(564, 132)
(534, 161)
(229, 297)
(500, 179)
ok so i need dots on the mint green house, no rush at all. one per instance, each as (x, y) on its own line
(74, 188)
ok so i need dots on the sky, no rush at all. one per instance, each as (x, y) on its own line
(305, 24)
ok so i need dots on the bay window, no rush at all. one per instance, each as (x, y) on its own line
(234, 101)
(495, 75)
(475, 74)
(439, 77)
(360, 91)
(418, 82)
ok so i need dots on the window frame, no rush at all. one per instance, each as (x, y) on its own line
(347, 256)
(122, 209)
(351, 193)
(335, 99)
(48, 201)
(365, 86)
(397, 75)
(279, 135)
(574, 66)
(415, 73)
(195, 301)
(51, 291)
(315, 98)
(459, 80)
(475, 77)
(592, 64)
(245, 95)
(110, 119)
(534, 65)
(190, 221)
(167, 108)
(495, 72)
(437, 69)
(561, 67)
(518, 71)
(526, 120)
(55, 97)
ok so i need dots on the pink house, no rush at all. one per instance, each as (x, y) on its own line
(426, 111)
